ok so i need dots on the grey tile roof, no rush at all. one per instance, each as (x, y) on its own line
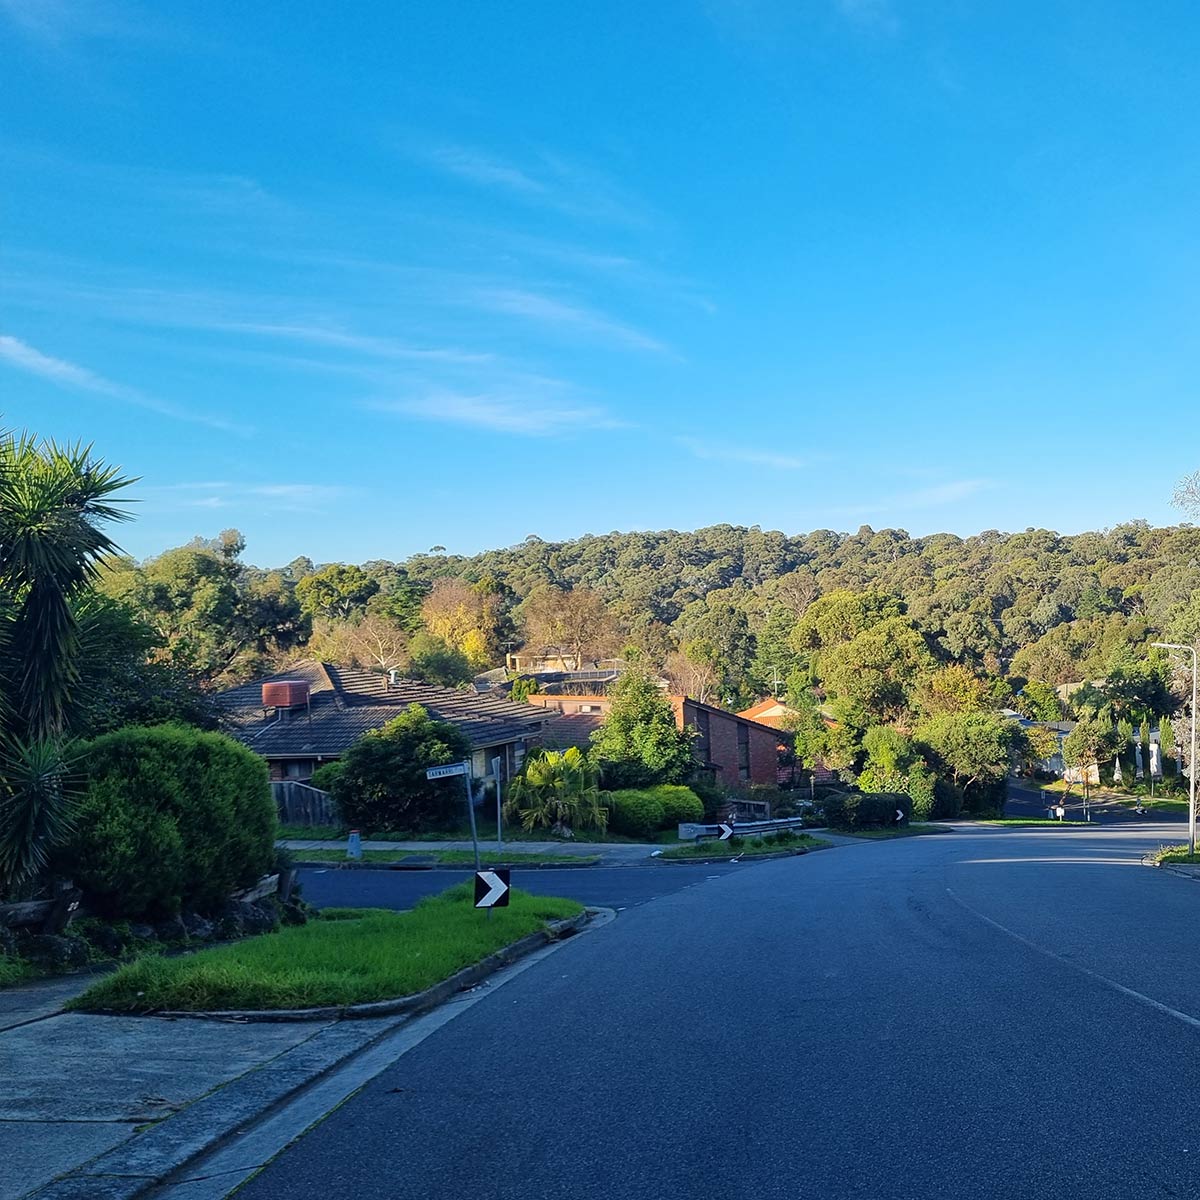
(345, 703)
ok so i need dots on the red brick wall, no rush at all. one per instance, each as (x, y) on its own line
(723, 745)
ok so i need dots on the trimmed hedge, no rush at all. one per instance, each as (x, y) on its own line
(634, 813)
(171, 818)
(642, 812)
(864, 810)
(680, 804)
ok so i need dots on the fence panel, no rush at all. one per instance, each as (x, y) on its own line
(301, 804)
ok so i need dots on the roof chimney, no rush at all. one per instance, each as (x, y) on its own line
(393, 677)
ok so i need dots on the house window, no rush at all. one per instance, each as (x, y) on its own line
(703, 742)
(743, 751)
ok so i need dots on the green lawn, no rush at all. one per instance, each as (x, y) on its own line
(895, 831)
(745, 849)
(347, 957)
(448, 857)
(1175, 854)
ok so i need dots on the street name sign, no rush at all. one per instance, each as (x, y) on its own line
(491, 888)
(447, 771)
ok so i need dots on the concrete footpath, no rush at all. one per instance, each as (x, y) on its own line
(611, 854)
(86, 1096)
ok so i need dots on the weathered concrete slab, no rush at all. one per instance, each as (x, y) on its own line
(32, 1154)
(76, 1067)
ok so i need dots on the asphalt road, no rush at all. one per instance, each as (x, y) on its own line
(605, 887)
(999, 1013)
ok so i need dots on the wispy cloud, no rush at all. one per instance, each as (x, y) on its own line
(938, 495)
(744, 454)
(262, 497)
(501, 412)
(56, 21)
(480, 168)
(26, 358)
(378, 347)
(547, 180)
(548, 310)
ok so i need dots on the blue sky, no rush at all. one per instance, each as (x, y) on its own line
(361, 279)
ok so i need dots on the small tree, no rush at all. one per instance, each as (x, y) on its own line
(382, 782)
(1166, 737)
(433, 661)
(558, 790)
(639, 743)
(1091, 742)
(971, 749)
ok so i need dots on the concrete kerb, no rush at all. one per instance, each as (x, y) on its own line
(138, 1165)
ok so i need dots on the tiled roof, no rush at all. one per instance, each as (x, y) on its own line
(345, 703)
(571, 729)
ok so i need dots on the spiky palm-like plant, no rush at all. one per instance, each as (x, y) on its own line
(54, 501)
(558, 789)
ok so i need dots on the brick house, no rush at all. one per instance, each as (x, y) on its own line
(314, 711)
(736, 749)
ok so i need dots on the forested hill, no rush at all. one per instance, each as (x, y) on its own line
(1034, 603)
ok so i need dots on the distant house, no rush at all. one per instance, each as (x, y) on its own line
(735, 749)
(769, 712)
(313, 712)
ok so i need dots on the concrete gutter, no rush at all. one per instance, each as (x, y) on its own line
(137, 1166)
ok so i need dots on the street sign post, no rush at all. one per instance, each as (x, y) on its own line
(464, 769)
(492, 888)
(458, 768)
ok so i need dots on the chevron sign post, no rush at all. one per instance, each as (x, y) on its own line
(491, 888)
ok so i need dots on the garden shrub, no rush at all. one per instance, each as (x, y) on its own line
(637, 814)
(326, 775)
(382, 783)
(170, 817)
(858, 810)
(680, 804)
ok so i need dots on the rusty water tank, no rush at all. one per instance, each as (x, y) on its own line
(285, 693)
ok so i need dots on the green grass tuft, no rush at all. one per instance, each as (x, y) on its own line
(12, 971)
(351, 957)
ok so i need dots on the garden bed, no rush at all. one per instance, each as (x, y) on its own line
(347, 957)
(747, 848)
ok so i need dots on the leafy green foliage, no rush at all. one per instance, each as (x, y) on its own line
(635, 813)
(169, 817)
(680, 804)
(335, 591)
(54, 502)
(382, 784)
(855, 810)
(972, 749)
(639, 743)
(325, 776)
(558, 790)
(434, 661)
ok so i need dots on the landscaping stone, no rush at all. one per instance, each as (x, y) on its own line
(294, 912)
(171, 930)
(53, 950)
(143, 933)
(108, 939)
(240, 918)
(199, 928)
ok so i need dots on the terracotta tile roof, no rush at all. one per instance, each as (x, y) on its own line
(345, 703)
(571, 729)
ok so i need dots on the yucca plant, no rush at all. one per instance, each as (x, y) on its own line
(558, 790)
(53, 501)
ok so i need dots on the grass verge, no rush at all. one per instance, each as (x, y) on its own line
(745, 848)
(486, 833)
(1175, 855)
(353, 957)
(464, 858)
(901, 831)
(1023, 821)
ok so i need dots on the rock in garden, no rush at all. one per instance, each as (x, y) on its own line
(171, 930)
(54, 950)
(199, 928)
(143, 933)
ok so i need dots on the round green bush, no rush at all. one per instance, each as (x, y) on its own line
(633, 813)
(680, 804)
(326, 776)
(171, 818)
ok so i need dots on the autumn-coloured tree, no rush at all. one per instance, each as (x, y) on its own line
(575, 624)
